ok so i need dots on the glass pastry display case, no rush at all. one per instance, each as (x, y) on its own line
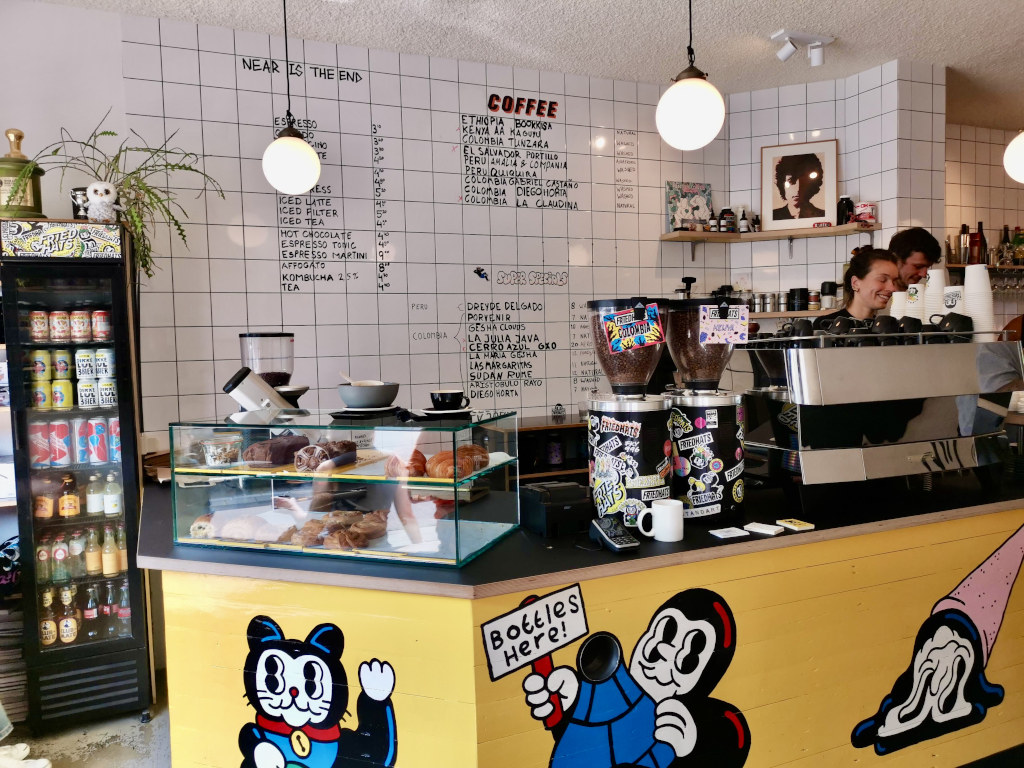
(437, 492)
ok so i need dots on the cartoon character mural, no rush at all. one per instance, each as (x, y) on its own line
(944, 689)
(299, 690)
(654, 713)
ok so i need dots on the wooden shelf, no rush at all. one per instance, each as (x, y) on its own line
(775, 234)
(801, 313)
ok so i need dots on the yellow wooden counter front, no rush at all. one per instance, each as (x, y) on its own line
(822, 631)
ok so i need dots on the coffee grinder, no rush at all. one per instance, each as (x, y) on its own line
(627, 432)
(706, 423)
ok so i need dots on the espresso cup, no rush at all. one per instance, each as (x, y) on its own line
(665, 518)
(910, 324)
(448, 399)
(885, 324)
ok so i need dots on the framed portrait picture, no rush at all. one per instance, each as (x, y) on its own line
(798, 185)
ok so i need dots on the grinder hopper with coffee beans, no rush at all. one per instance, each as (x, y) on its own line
(634, 460)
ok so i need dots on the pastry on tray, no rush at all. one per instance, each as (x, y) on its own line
(416, 466)
(443, 465)
(312, 458)
(275, 451)
(202, 528)
(476, 452)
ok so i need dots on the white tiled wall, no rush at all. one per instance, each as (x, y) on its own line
(889, 122)
(978, 189)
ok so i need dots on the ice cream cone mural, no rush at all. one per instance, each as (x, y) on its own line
(944, 689)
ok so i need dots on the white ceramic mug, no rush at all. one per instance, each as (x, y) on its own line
(666, 520)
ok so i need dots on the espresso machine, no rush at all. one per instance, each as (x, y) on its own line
(627, 429)
(877, 418)
(706, 424)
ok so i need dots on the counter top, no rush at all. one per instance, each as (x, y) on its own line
(524, 561)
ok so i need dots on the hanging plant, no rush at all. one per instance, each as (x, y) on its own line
(137, 174)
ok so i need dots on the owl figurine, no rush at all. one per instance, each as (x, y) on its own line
(101, 208)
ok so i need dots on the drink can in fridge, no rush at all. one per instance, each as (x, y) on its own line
(106, 390)
(85, 363)
(42, 395)
(80, 441)
(88, 397)
(114, 438)
(41, 369)
(39, 444)
(100, 325)
(60, 443)
(63, 394)
(81, 325)
(61, 362)
(38, 325)
(98, 449)
(104, 362)
(60, 325)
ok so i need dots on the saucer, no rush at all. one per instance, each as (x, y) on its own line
(437, 412)
(369, 410)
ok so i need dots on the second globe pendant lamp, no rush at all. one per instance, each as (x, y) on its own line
(291, 166)
(691, 112)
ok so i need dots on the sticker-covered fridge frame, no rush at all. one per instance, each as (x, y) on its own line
(81, 681)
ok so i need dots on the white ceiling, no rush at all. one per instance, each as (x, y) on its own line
(981, 41)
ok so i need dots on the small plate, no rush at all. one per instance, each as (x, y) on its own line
(370, 410)
(436, 412)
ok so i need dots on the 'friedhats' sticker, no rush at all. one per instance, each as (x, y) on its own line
(626, 331)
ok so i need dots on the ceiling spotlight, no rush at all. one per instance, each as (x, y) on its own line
(791, 41)
(787, 50)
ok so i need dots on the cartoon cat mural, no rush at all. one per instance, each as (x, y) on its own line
(299, 690)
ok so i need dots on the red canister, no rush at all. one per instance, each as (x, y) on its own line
(60, 325)
(60, 443)
(38, 325)
(81, 325)
(39, 444)
(100, 325)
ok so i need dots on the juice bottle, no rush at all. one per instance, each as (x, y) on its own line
(112, 497)
(122, 548)
(76, 555)
(108, 556)
(93, 555)
(94, 496)
(69, 505)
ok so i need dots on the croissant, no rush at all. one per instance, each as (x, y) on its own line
(416, 466)
(443, 465)
(476, 452)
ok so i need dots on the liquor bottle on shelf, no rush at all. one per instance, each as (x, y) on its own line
(47, 620)
(982, 245)
(109, 553)
(69, 504)
(67, 626)
(91, 616)
(94, 496)
(76, 555)
(112, 497)
(109, 612)
(43, 561)
(59, 560)
(93, 554)
(122, 548)
(124, 612)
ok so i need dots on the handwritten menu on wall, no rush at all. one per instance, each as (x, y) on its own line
(464, 216)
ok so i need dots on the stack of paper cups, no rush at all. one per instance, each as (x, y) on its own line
(915, 301)
(953, 299)
(978, 302)
(933, 297)
(898, 304)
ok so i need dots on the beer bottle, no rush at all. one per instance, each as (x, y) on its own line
(43, 506)
(43, 561)
(47, 620)
(69, 504)
(110, 612)
(93, 559)
(59, 560)
(76, 603)
(122, 548)
(91, 616)
(109, 554)
(124, 613)
(67, 626)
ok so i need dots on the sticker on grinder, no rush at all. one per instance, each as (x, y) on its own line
(633, 328)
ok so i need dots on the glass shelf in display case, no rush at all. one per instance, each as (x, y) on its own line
(436, 492)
